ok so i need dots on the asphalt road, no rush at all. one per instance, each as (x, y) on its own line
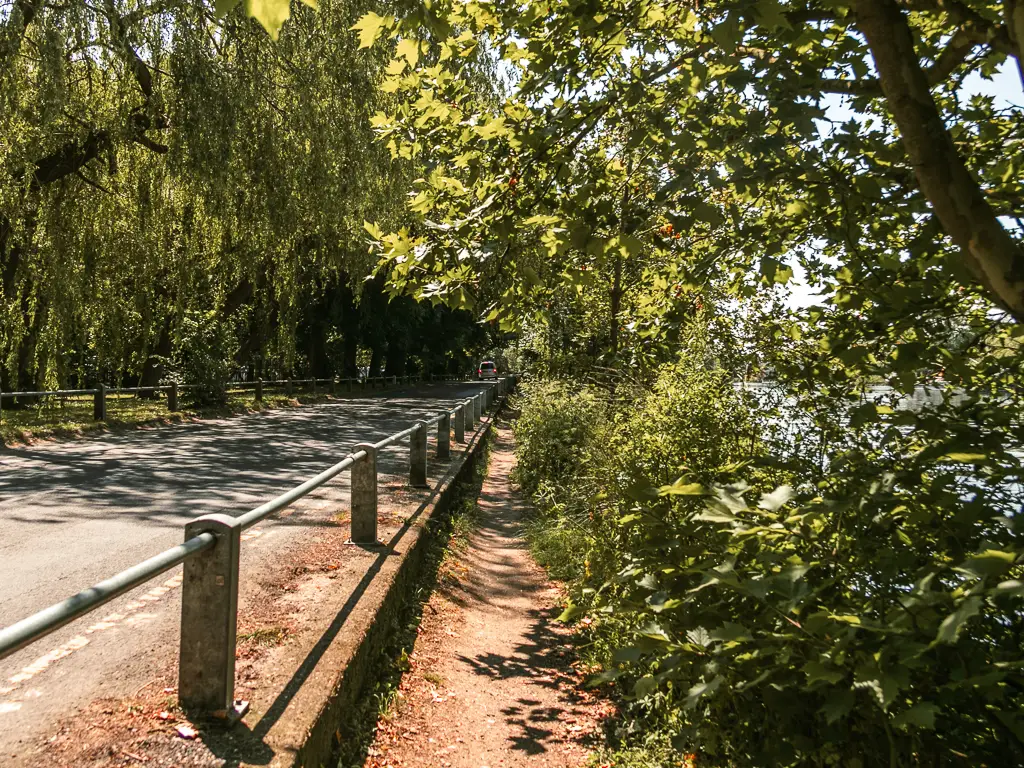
(74, 513)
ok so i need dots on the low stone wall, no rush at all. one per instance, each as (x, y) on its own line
(307, 734)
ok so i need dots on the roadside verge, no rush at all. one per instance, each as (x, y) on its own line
(317, 616)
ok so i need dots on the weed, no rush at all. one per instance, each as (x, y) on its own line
(434, 679)
(264, 637)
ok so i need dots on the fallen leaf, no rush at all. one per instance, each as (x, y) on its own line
(187, 732)
(164, 715)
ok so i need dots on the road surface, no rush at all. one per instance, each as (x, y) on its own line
(72, 514)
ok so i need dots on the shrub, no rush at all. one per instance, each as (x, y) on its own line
(205, 356)
(873, 620)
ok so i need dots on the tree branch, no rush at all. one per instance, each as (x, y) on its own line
(959, 203)
(135, 63)
(952, 56)
(980, 29)
(22, 15)
(70, 158)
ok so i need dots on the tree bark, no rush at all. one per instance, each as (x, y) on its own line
(153, 370)
(959, 203)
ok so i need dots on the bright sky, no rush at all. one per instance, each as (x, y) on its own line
(1005, 87)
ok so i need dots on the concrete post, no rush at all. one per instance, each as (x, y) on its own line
(460, 424)
(314, 386)
(172, 397)
(478, 407)
(209, 610)
(418, 456)
(259, 390)
(444, 437)
(99, 403)
(470, 410)
(364, 496)
(288, 388)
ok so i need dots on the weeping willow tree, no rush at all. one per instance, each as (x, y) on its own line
(163, 168)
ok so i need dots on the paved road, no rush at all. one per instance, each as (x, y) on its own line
(72, 514)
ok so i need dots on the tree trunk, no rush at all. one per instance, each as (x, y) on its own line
(616, 305)
(154, 368)
(375, 358)
(989, 253)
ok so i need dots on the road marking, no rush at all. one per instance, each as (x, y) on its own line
(110, 621)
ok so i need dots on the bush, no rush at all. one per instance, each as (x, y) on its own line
(871, 621)
(205, 356)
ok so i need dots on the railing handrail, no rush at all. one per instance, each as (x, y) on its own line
(38, 625)
(41, 624)
(288, 498)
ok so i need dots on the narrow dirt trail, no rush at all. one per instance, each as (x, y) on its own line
(491, 681)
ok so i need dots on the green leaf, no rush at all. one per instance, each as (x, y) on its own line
(701, 689)
(730, 633)
(921, 715)
(607, 676)
(950, 628)
(645, 686)
(571, 612)
(838, 705)
(679, 488)
(369, 28)
(964, 458)
(990, 562)
(816, 672)
(628, 655)
(772, 501)
(221, 7)
(715, 516)
(271, 14)
(408, 49)
(1010, 588)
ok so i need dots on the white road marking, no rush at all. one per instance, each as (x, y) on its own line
(110, 621)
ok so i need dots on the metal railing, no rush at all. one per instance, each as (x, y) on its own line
(333, 386)
(210, 554)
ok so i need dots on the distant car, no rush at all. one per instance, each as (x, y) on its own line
(487, 370)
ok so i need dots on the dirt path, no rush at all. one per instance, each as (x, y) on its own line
(491, 681)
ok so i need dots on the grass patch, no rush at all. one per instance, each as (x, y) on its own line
(66, 418)
(434, 679)
(264, 637)
(450, 530)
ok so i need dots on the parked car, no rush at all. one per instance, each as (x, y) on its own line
(487, 370)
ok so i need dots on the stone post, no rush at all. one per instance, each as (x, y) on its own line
(418, 456)
(209, 610)
(172, 397)
(460, 424)
(444, 436)
(364, 496)
(99, 403)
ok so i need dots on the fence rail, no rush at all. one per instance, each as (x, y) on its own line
(210, 554)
